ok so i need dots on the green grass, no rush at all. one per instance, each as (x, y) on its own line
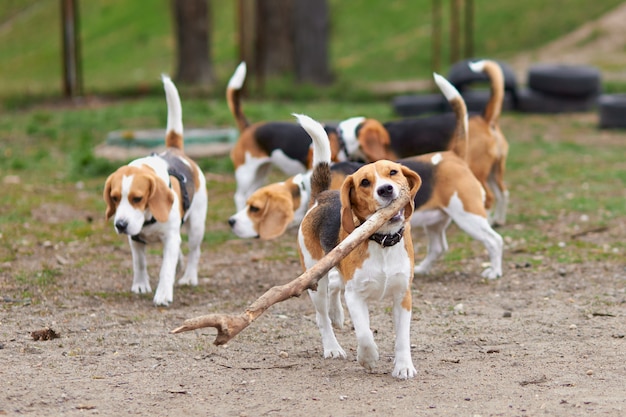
(126, 45)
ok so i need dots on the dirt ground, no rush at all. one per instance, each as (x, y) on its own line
(546, 339)
(543, 340)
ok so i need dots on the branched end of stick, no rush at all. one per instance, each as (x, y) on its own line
(228, 326)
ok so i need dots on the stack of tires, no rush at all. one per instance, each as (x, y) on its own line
(557, 88)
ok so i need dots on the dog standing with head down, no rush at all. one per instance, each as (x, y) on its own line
(149, 200)
(370, 140)
(262, 145)
(381, 267)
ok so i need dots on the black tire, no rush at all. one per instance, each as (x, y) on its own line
(612, 110)
(461, 76)
(531, 101)
(416, 105)
(564, 80)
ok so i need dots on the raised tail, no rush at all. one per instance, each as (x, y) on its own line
(233, 96)
(174, 131)
(460, 110)
(320, 178)
(496, 78)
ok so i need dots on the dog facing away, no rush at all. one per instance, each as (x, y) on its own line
(151, 197)
(369, 140)
(381, 267)
(262, 145)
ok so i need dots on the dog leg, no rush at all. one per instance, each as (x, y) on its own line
(335, 285)
(320, 299)
(164, 293)
(195, 234)
(478, 227)
(437, 244)
(501, 199)
(367, 351)
(141, 280)
(403, 364)
(250, 177)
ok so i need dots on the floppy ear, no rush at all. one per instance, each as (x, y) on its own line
(106, 194)
(347, 220)
(276, 218)
(160, 200)
(415, 182)
(374, 140)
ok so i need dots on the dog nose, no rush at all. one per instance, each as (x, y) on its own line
(121, 225)
(232, 222)
(385, 191)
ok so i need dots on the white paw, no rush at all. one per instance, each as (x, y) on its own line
(404, 369)
(491, 273)
(163, 297)
(421, 269)
(141, 288)
(188, 280)
(335, 353)
(367, 356)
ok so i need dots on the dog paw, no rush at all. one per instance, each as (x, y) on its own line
(404, 370)
(335, 353)
(141, 288)
(491, 274)
(421, 269)
(367, 356)
(188, 280)
(163, 297)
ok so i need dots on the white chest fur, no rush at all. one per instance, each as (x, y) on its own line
(384, 273)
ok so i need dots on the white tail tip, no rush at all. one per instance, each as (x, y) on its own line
(448, 90)
(238, 77)
(321, 144)
(478, 66)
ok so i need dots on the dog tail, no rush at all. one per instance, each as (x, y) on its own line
(233, 96)
(460, 110)
(320, 178)
(174, 131)
(496, 78)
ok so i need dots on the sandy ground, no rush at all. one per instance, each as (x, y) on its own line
(546, 339)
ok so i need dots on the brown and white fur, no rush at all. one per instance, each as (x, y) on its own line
(370, 140)
(372, 271)
(262, 145)
(147, 200)
(449, 192)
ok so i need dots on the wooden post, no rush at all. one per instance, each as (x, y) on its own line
(469, 29)
(72, 70)
(436, 37)
(455, 32)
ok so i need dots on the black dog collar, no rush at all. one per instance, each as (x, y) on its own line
(386, 240)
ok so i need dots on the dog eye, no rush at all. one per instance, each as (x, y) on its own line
(137, 200)
(115, 199)
(253, 209)
(365, 182)
(393, 172)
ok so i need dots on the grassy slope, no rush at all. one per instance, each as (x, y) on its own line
(127, 44)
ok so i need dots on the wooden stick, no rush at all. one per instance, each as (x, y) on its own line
(228, 326)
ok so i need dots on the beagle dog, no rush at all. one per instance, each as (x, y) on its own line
(381, 267)
(370, 140)
(263, 144)
(449, 192)
(273, 208)
(150, 199)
